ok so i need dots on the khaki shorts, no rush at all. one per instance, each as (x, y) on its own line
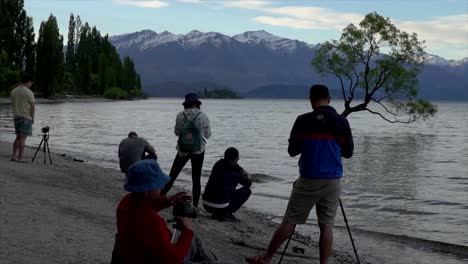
(324, 193)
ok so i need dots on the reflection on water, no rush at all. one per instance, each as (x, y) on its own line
(404, 179)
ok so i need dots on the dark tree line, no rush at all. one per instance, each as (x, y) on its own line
(93, 65)
(17, 42)
(89, 65)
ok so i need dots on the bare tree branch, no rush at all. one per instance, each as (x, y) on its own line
(370, 53)
(356, 84)
(342, 87)
(388, 120)
(381, 98)
(386, 108)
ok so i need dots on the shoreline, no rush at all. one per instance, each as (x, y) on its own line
(65, 213)
(71, 99)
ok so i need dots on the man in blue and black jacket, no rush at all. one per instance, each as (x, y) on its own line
(322, 137)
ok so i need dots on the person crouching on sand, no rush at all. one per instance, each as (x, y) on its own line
(221, 198)
(142, 234)
(134, 148)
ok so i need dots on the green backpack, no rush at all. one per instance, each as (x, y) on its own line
(190, 138)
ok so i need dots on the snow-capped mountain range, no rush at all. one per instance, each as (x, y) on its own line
(148, 39)
(254, 60)
(437, 60)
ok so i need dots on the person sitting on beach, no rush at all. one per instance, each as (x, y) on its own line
(133, 149)
(192, 127)
(142, 234)
(221, 197)
(23, 105)
(322, 138)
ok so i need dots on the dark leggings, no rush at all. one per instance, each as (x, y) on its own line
(178, 165)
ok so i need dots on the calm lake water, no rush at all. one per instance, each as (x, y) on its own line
(405, 185)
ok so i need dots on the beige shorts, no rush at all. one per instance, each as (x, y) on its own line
(324, 193)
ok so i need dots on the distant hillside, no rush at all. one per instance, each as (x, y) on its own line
(219, 94)
(178, 89)
(251, 62)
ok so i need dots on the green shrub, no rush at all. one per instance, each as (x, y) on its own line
(115, 93)
(135, 93)
(220, 94)
(8, 80)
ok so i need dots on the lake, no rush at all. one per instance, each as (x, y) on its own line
(406, 183)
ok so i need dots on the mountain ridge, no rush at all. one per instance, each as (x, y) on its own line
(256, 59)
(249, 37)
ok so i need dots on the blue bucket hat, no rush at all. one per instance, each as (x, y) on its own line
(145, 176)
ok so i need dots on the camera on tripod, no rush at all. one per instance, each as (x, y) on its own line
(44, 144)
(184, 209)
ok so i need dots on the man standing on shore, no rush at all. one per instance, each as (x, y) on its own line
(22, 102)
(322, 137)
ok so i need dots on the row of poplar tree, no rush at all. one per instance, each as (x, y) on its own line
(89, 65)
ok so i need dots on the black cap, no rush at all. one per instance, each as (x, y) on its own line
(318, 92)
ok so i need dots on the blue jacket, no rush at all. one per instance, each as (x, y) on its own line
(322, 137)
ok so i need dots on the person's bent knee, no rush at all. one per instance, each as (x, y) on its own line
(246, 190)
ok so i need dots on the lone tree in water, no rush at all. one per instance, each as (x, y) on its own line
(380, 63)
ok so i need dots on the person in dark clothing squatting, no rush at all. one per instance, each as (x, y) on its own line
(221, 198)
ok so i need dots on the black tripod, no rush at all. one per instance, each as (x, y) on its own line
(45, 141)
(349, 232)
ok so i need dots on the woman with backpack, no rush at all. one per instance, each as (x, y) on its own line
(193, 128)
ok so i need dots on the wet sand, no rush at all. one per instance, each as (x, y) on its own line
(65, 213)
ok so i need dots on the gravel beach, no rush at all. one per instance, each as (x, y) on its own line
(65, 213)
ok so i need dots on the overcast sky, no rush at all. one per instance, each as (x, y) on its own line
(443, 24)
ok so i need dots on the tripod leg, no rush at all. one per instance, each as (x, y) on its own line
(349, 232)
(48, 150)
(286, 247)
(44, 150)
(37, 150)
